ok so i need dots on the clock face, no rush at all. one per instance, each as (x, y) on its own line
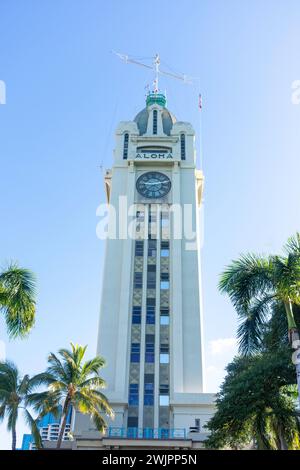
(153, 185)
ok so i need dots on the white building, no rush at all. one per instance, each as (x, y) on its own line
(150, 329)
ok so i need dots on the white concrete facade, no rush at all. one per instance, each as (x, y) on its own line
(160, 151)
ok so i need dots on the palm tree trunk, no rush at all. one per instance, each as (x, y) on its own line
(294, 341)
(292, 327)
(14, 438)
(63, 423)
(283, 443)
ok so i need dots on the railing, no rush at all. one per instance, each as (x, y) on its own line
(146, 433)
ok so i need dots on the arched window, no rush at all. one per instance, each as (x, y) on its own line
(154, 121)
(125, 146)
(182, 146)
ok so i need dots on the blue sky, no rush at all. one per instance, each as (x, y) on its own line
(66, 93)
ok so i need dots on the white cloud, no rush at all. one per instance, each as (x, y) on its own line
(222, 345)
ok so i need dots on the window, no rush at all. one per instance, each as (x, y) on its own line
(164, 219)
(149, 390)
(165, 225)
(133, 394)
(150, 311)
(164, 358)
(132, 422)
(164, 320)
(164, 398)
(182, 146)
(164, 281)
(138, 280)
(152, 248)
(135, 352)
(140, 216)
(164, 316)
(150, 315)
(154, 121)
(139, 248)
(164, 354)
(165, 249)
(125, 146)
(152, 223)
(139, 220)
(164, 348)
(136, 315)
(152, 214)
(198, 424)
(149, 354)
(151, 276)
(164, 389)
(164, 285)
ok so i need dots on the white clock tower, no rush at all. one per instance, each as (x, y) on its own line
(150, 329)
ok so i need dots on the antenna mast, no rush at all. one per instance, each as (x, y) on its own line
(155, 66)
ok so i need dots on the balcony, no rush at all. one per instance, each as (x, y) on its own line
(145, 433)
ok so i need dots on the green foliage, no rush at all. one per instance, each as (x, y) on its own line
(256, 404)
(17, 300)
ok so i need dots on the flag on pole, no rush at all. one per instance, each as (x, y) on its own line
(200, 101)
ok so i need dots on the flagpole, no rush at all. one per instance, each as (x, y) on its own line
(200, 132)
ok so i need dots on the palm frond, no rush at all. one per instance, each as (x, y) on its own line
(32, 424)
(98, 421)
(23, 385)
(9, 375)
(245, 278)
(18, 291)
(2, 411)
(292, 246)
(56, 368)
(43, 378)
(45, 402)
(93, 365)
(251, 327)
(94, 382)
(12, 416)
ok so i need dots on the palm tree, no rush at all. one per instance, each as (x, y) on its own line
(17, 299)
(74, 382)
(255, 285)
(15, 394)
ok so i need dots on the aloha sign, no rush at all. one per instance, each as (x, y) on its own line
(154, 156)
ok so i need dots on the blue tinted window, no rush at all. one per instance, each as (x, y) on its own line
(138, 280)
(150, 315)
(135, 352)
(139, 248)
(149, 390)
(136, 315)
(154, 121)
(182, 146)
(149, 355)
(125, 146)
(133, 394)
